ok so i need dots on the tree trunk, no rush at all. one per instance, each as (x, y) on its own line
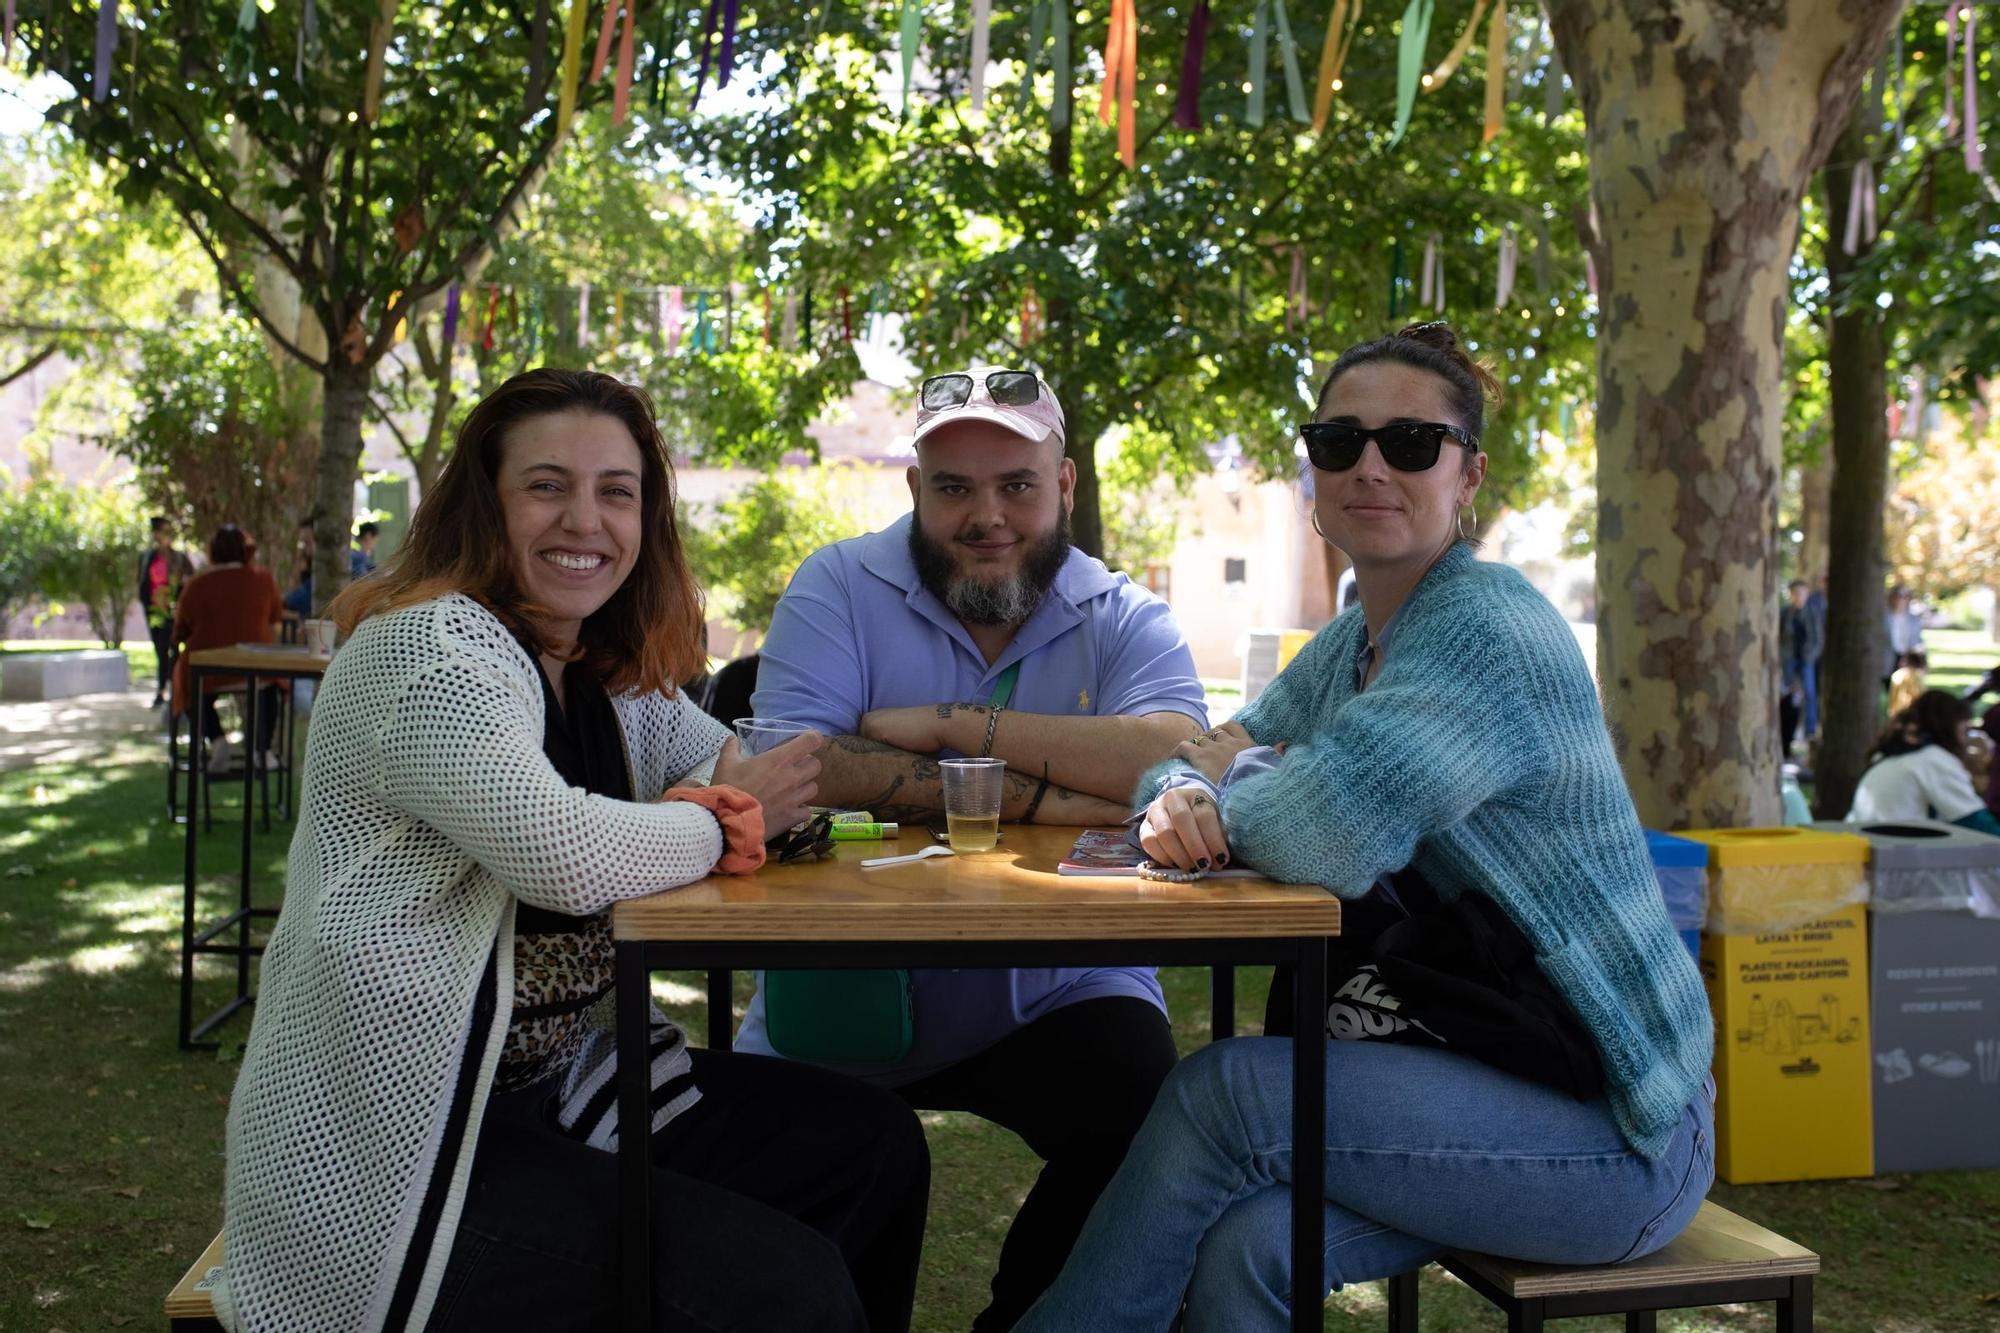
(1815, 514)
(1705, 122)
(1850, 673)
(346, 397)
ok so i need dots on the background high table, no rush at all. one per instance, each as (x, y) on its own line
(1004, 908)
(255, 665)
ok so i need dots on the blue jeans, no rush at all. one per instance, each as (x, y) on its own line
(1426, 1151)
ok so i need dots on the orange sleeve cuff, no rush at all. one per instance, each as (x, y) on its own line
(742, 820)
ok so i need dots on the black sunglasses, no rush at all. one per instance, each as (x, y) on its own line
(814, 839)
(1008, 388)
(1407, 446)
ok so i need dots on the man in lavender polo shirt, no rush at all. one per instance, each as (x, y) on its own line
(972, 626)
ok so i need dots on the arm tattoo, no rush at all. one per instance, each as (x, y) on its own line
(859, 745)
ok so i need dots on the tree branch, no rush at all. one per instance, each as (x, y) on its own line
(243, 298)
(48, 350)
(382, 415)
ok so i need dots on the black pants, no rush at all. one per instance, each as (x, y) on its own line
(268, 702)
(163, 655)
(1075, 1084)
(787, 1198)
(1790, 711)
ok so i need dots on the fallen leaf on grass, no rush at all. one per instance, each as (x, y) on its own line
(166, 1247)
(38, 1221)
(1990, 1298)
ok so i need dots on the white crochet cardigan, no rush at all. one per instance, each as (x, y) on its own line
(428, 808)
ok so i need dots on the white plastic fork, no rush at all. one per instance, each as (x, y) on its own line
(879, 861)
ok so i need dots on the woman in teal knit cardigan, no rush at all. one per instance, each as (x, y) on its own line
(1520, 1042)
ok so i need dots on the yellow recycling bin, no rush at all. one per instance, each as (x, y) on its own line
(1785, 959)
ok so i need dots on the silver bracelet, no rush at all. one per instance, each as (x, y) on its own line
(992, 720)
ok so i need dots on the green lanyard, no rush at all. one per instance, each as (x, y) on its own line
(1003, 688)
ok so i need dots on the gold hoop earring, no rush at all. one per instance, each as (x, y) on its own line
(1317, 528)
(1463, 535)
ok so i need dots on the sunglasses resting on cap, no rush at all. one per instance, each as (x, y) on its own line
(1014, 399)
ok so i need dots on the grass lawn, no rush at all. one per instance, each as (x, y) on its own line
(1959, 657)
(112, 1164)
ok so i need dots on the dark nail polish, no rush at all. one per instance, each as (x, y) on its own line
(1223, 859)
(1202, 864)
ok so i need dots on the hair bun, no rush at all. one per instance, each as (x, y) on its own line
(1432, 333)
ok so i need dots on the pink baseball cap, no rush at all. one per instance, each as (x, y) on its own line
(1035, 421)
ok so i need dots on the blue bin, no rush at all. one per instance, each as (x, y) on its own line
(1681, 866)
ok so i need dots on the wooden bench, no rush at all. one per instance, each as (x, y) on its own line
(189, 1307)
(33, 677)
(1720, 1259)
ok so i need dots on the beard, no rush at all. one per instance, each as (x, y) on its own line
(1008, 600)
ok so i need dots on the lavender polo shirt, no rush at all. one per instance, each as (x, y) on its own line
(857, 631)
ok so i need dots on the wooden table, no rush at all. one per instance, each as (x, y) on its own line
(1004, 908)
(253, 664)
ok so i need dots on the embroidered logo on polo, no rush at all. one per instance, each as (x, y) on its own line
(1364, 1009)
(1083, 701)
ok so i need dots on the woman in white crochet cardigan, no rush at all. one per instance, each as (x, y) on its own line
(420, 1134)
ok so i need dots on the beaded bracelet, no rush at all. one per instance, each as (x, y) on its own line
(992, 720)
(1169, 875)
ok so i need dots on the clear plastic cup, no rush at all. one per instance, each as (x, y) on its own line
(972, 793)
(758, 734)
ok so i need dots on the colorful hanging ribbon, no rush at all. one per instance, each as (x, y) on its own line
(846, 316)
(1416, 33)
(767, 317)
(378, 48)
(1048, 26)
(790, 331)
(7, 51)
(1271, 13)
(1431, 288)
(1031, 315)
(1950, 54)
(605, 29)
(912, 37)
(725, 55)
(1975, 153)
(572, 63)
(982, 20)
(451, 315)
(492, 318)
(675, 315)
(1459, 49)
(1496, 72)
(1509, 266)
(1187, 104)
(704, 332)
(107, 42)
(663, 48)
(621, 90)
(1340, 29)
(1860, 208)
(1121, 78)
(308, 37)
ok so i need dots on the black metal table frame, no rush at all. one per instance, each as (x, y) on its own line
(638, 959)
(205, 941)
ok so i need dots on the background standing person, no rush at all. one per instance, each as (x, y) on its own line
(1518, 1042)
(163, 570)
(423, 1134)
(1904, 626)
(1796, 656)
(1816, 620)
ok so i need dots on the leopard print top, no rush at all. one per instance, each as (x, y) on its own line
(558, 976)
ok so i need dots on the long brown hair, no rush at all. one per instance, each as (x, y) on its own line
(1932, 719)
(646, 637)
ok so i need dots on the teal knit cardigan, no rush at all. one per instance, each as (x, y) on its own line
(1479, 755)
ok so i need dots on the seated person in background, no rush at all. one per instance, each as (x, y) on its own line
(1917, 769)
(1518, 1043)
(1990, 724)
(230, 602)
(972, 627)
(1907, 681)
(299, 598)
(361, 557)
